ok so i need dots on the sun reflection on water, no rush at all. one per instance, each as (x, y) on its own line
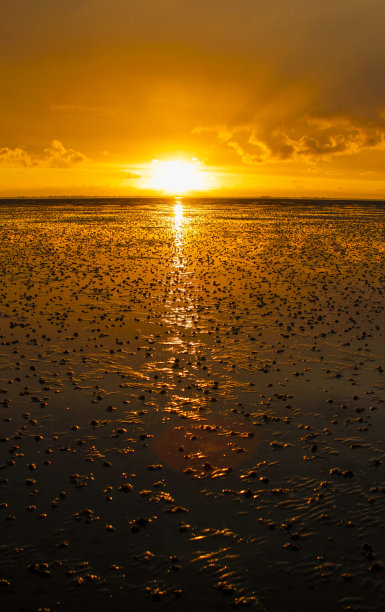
(178, 213)
(178, 221)
(181, 310)
(208, 444)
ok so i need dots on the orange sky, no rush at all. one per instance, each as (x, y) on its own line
(274, 97)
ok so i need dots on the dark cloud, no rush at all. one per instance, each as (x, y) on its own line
(306, 139)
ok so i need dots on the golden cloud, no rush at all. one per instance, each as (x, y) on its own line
(15, 158)
(56, 156)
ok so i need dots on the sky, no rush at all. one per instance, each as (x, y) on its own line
(268, 97)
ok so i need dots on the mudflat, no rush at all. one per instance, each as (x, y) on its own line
(192, 405)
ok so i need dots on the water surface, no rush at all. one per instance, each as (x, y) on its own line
(192, 404)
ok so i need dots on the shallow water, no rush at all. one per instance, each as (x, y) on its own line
(192, 405)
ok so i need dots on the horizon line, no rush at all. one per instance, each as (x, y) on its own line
(192, 197)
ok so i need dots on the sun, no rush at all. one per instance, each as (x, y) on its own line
(177, 177)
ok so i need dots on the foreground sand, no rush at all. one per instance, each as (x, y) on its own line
(192, 406)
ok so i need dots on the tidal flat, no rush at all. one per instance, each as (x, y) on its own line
(192, 405)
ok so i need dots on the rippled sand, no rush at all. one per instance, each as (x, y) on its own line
(192, 405)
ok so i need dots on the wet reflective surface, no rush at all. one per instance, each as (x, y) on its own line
(192, 405)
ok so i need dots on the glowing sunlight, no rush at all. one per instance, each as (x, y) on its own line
(177, 177)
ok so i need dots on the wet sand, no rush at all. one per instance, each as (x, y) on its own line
(192, 405)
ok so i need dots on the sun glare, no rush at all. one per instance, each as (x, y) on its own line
(177, 177)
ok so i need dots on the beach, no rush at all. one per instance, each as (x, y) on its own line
(192, 404)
